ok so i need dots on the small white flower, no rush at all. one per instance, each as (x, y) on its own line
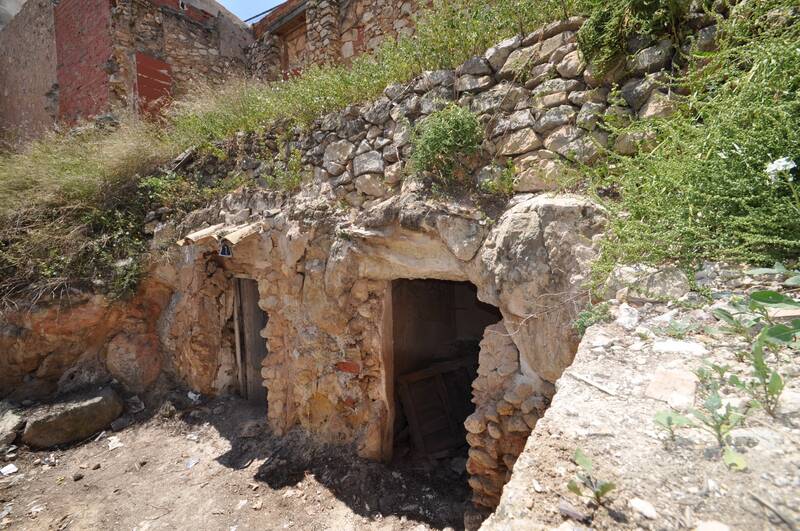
(778, 166)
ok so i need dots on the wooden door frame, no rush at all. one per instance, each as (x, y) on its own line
(387, 361)
(242, 362)
(237, 333)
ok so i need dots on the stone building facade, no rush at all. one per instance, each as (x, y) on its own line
(74, 59)
(299, 33)
(28, 72)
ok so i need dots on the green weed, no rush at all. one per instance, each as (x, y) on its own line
(503, 184)
(596, 489)
(767, 384)
(678, 329)
(717, 183)
(669, 421)
(593, 314)
(716, 419)
(720, 421)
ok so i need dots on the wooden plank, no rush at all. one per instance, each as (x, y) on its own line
(441, 389)
(411, 415)
(254, 319)
(237, 335)
(436, 400)
(387, 362)
(437, 368)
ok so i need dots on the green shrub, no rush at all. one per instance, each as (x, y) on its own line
(442, 139)
(704, 191)
(604, 36)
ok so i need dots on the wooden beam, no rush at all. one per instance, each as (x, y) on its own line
(237, 298)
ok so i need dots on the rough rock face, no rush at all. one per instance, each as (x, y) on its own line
(627, 370)
(71, 421)
(10, 425)
(46, 351)
(135, 360)
(324, 284)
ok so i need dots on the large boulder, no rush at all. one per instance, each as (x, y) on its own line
(72, 421)
(537, 258)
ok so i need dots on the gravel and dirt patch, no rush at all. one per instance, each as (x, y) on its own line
(217, 466)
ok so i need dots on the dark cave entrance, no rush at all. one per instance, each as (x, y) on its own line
(436, 328)
(251, 349)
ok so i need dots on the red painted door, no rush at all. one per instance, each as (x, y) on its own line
(153, 83)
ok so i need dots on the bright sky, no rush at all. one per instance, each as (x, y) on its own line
(245, 9)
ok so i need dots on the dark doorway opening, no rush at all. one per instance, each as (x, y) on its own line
(251, 348)
(436, 329)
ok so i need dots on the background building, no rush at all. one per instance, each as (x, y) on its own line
(68, 60)
(73, 59)
(302, 32)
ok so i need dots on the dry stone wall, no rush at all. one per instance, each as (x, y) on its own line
(322, 32)
(263, 57)
(508, 405)
(364, 24)
(29, 92)
(332, 31)
(208, 50)
(325, 256)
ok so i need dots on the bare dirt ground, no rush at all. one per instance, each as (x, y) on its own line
(216, 466)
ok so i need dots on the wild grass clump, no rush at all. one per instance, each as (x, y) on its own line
(710, 189)
(66, 217)
(84, 228)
